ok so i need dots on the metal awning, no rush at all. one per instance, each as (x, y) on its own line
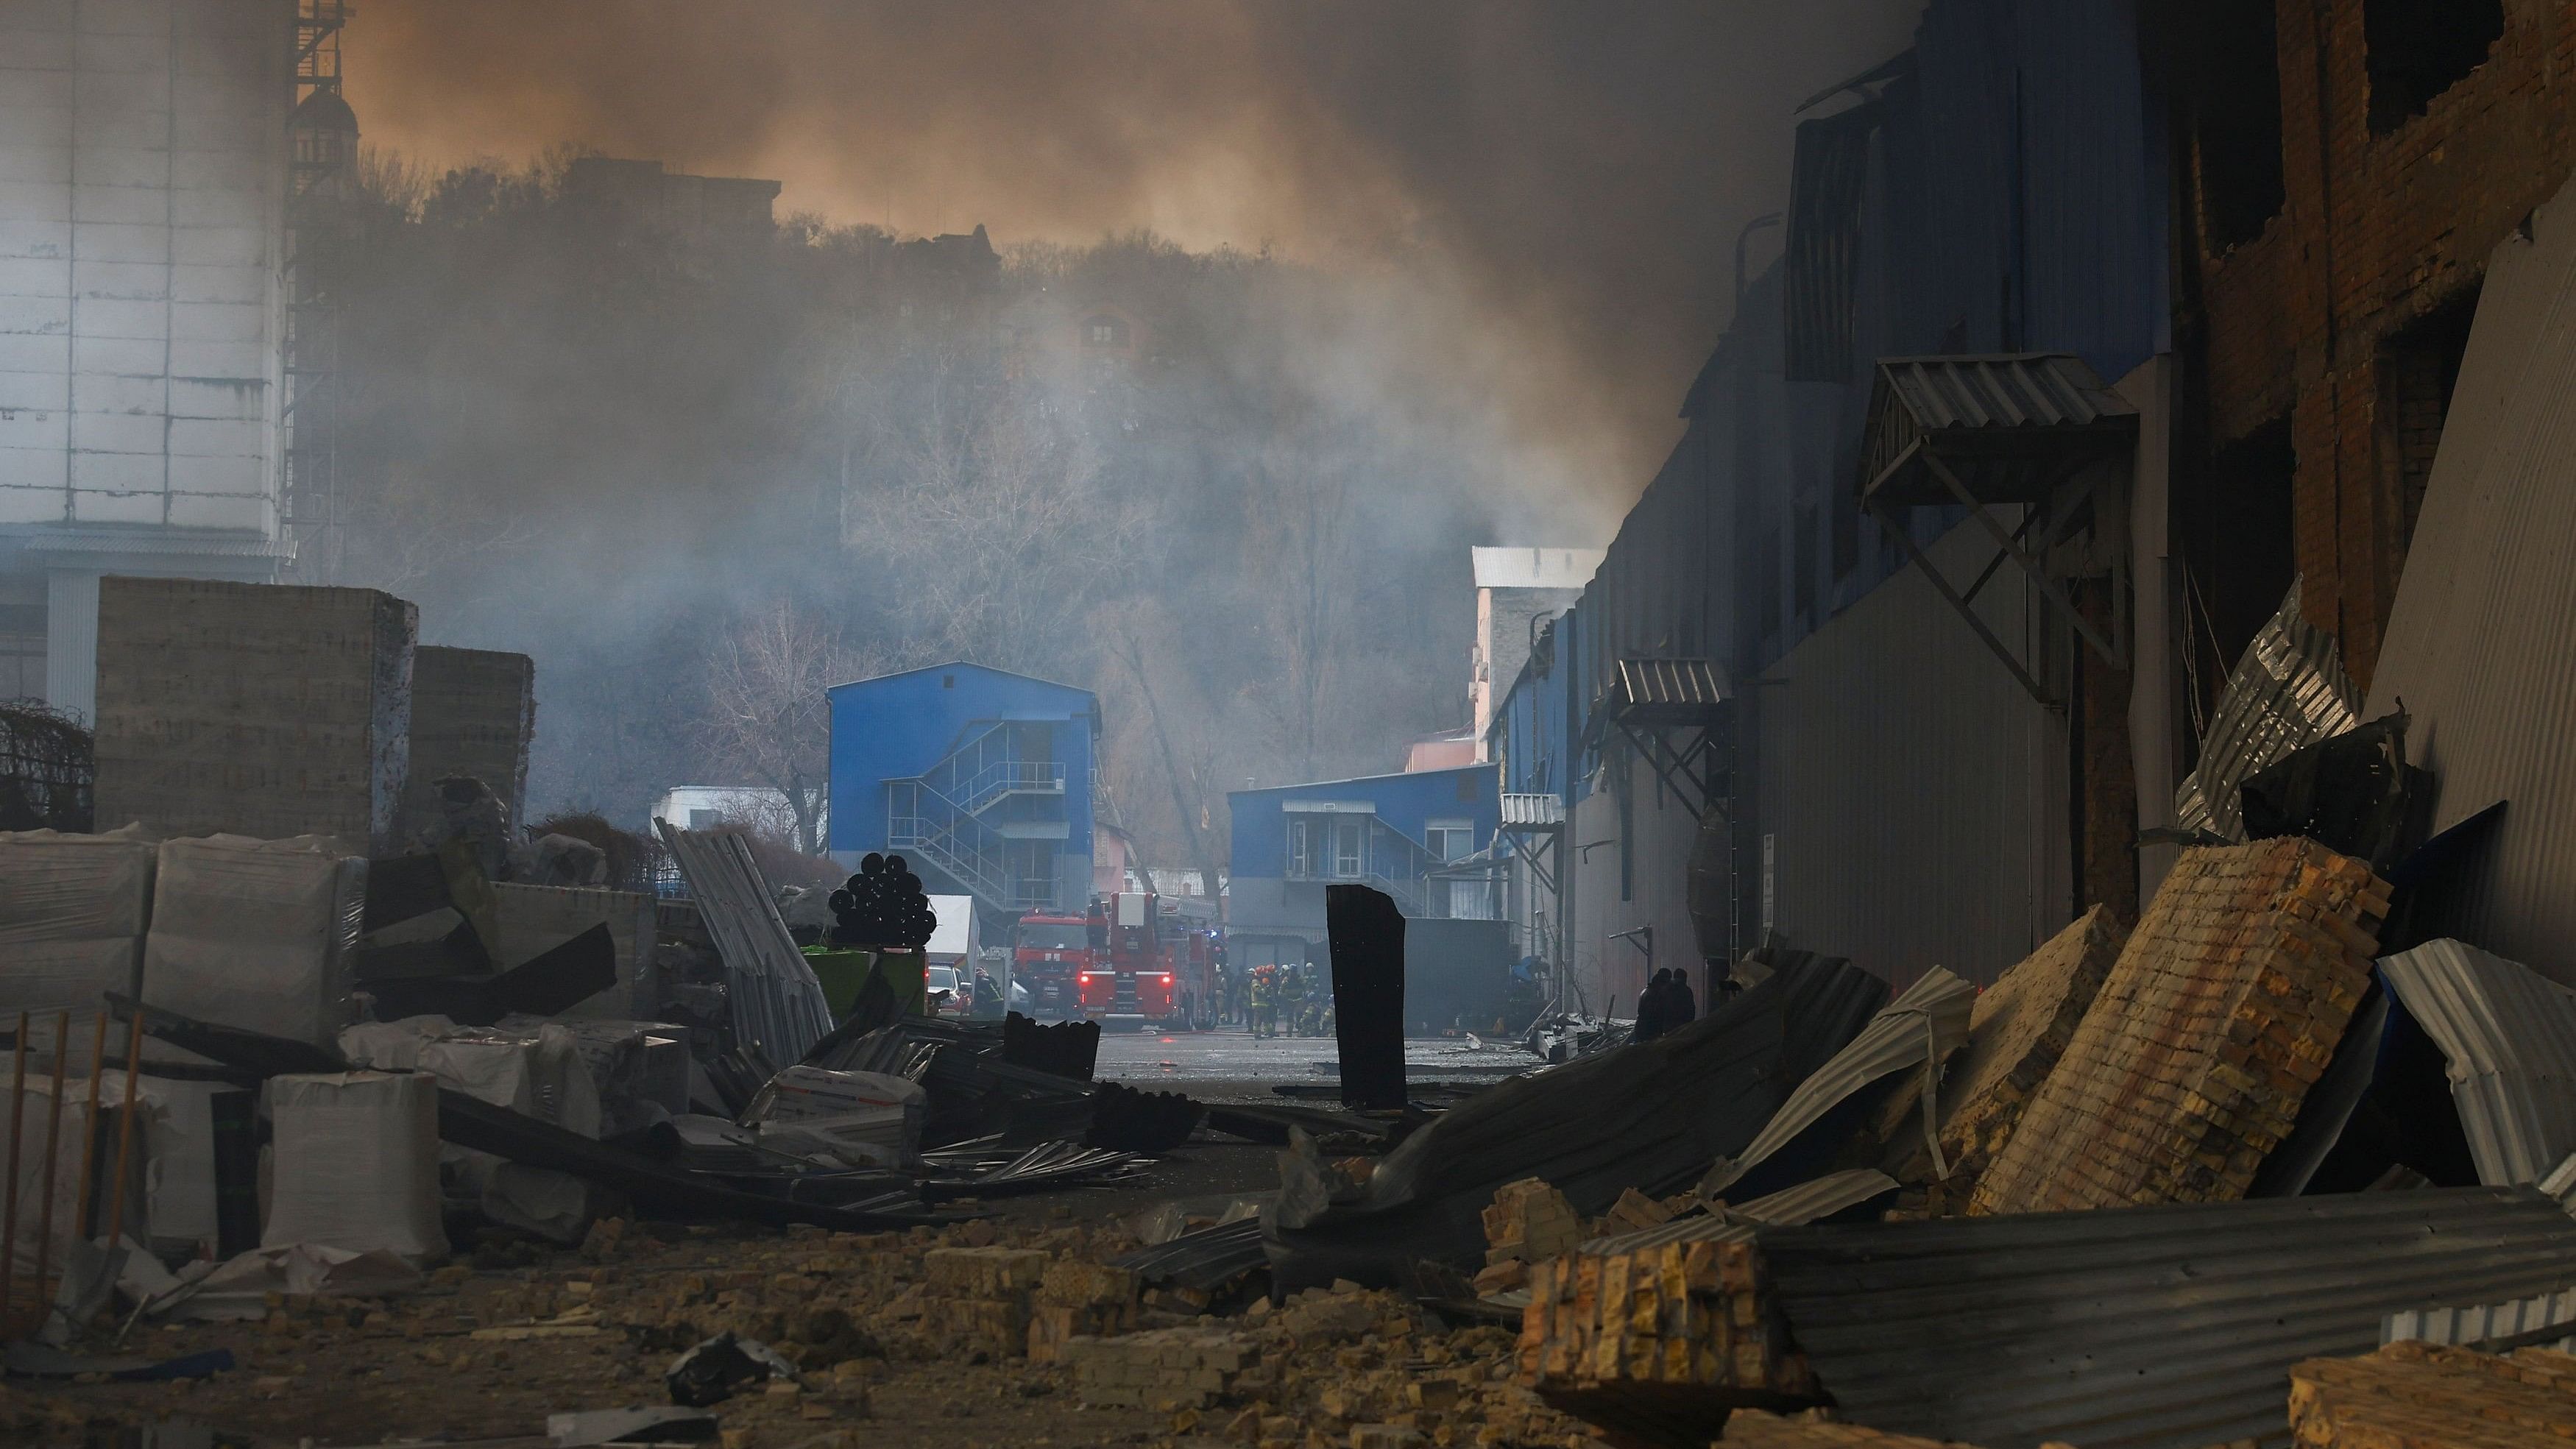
(1532, 814)
(2022, 430)
(1663, 692)
(2008, 429)
(1673, 711)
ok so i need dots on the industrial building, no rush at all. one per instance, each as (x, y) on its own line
(981, 778)
(2099, 329)
(1517, 591)
(1816, 689)
(163, 354)
(1424, 837)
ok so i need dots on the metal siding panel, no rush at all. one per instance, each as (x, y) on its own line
(2510, 1035)
(2478, 644)
(1904, 774)
(2166, 1327)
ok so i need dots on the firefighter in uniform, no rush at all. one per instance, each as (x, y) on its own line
(1262, 988)
(1292, 1001)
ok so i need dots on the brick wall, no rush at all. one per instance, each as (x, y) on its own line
(2376, 231)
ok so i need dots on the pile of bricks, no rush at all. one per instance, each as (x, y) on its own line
(2421, 1394)
(1076, 1299)
(1529, 1222)
(2020, 1028)
(1635, 1212)
(2221, 1012)
(979, 1299)
(1169, 1368)
(1671, 1332)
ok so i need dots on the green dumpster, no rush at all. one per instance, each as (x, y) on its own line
(844, 969)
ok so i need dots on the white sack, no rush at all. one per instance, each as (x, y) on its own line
(355, 1164)
(72, 915)
(256, 933)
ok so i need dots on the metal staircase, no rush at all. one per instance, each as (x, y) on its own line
(941, 815)
(1387, 859)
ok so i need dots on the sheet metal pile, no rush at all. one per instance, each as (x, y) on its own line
(2114, 1200)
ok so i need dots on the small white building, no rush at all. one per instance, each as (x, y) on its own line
(757, 807)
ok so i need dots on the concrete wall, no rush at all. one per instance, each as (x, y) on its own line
(142, 184)
(473, 712)
(255, 709)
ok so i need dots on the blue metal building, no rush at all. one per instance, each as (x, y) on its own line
(1994, 198)
(981, 778)
(1416, 836)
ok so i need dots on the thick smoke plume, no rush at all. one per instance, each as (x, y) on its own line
(1403, 279)
(1583, 168)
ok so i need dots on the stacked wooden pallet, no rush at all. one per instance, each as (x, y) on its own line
(2221, 1012)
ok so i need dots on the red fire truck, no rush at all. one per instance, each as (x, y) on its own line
(1049, 954)
(1155, 972)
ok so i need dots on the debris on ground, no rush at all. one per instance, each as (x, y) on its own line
(2190, 1067)
(2417, 1393)
(2019, 1028)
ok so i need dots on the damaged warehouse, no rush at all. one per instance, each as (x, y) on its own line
(2019, 900)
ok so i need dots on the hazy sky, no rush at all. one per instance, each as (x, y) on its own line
(1569, 177)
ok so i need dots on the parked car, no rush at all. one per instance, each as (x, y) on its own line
(937, 979)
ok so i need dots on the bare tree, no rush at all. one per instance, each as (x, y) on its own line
(1188, 764)
(767, 718)
(1302, 522)
(991, 507)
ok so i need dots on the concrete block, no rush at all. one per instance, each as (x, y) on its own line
(473, 712)
(92, 505)
(218, 510)
(121, 282)
(534, 919)
(20, 503)
(256, 709)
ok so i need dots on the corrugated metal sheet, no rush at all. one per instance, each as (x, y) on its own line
(1920, 1027)
(2024, 204)
(1828, 178)
(2289, 690)
(2482, 1323)
(2024, 392)
(2510, 1035)
(777, 1003)
(1206, 1259)
(1913, 794)
(2478, 643)
(1533, 812)
(1808, 1201)
(2167, 1327)
(1657, 683)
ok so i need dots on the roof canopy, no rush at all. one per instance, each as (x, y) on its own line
(2009, 428)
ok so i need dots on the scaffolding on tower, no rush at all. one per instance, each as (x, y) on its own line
(322, 156)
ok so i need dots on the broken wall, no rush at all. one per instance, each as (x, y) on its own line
(264, 710)
(2478, 648)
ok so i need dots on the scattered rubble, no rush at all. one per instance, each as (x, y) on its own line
(2222, 1010)
(2415, 1393)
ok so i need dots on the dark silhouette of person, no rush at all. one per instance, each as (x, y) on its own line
(1655, 1008)
(1681, 1007)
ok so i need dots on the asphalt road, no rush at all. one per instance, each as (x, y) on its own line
(1227, 1063)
